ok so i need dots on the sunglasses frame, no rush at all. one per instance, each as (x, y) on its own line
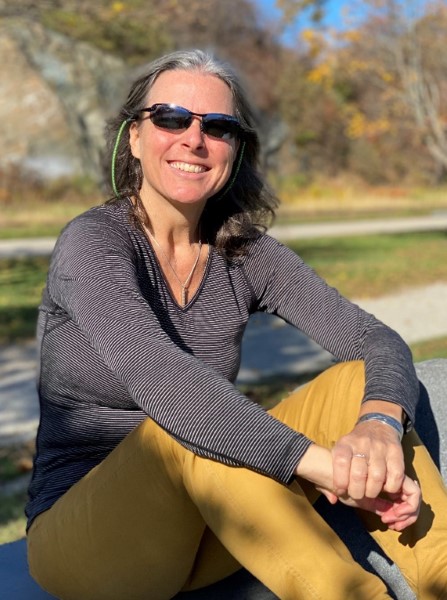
(206, 120)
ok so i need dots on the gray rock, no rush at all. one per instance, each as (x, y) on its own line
(67, 89)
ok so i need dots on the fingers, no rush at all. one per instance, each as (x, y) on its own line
(368, 461)
(341, 461)
(395, 475)
(398, 511)
(386, 471)
(358, 477)
(376, 477)
(405, 506)
(351, 472)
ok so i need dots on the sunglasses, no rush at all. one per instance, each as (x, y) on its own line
(174, 118)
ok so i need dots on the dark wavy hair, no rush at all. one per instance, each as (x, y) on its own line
(246, 205)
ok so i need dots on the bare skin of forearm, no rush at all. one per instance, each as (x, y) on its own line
(316, 467)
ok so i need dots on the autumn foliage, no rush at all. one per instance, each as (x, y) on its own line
(369, 99)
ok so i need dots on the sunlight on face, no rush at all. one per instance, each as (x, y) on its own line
(184, 166)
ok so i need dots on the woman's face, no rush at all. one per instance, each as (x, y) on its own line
(184, 166)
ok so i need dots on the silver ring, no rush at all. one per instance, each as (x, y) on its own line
(359, 455)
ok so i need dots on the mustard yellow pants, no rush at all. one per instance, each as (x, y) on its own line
(154, 519)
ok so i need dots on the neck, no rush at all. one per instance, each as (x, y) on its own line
(173, 224)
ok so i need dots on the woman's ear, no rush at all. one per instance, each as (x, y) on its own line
(134, 139)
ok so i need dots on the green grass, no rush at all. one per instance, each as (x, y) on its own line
(374, 265)
(430, 349)
(36, 220)
(21, 284)
(12, 518)
(15, 461)
(367, 266)
(33, 230)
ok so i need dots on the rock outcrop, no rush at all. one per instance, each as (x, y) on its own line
(56, 96)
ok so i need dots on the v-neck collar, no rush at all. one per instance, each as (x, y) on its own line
(153, 254)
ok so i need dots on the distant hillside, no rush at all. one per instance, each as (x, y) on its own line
(133, 30)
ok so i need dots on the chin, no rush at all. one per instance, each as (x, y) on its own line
(189, 200)
(191, 197)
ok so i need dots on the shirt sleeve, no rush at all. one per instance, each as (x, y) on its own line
(93, 279)
(284, 285)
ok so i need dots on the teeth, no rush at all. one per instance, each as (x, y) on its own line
(182, 166)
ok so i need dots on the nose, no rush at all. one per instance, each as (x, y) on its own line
(194, 136)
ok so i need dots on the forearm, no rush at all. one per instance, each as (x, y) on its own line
(390, 377)
(316, 466)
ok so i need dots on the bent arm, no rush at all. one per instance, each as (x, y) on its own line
(369, 460)
(289, 288)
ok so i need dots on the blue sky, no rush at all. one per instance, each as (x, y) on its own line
(333, 12)
(336, 10)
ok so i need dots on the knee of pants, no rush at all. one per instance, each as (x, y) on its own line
(327, 407)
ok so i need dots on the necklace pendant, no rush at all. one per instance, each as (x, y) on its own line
(183, 296)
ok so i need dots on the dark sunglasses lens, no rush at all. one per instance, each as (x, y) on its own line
(213, 124)
(171, 118)
(220, 127)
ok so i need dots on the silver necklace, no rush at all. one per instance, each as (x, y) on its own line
(185, 285)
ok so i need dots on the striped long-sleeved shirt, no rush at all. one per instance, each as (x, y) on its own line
(115, 347)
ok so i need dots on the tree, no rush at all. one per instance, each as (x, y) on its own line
(312, 106)
(409, 45)
(419, 54)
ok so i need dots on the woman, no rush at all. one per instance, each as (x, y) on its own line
(153, 474)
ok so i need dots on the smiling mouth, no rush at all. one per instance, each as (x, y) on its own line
(188, 168)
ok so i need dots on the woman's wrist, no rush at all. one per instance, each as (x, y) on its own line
(384, 407)
(386, 419)
(389, 413)
(316, 466)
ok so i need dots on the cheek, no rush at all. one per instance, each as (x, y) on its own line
(228, 157)
(233, 158)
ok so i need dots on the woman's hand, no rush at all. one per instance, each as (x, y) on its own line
(398, 510)
(398, 506)
(367, 461)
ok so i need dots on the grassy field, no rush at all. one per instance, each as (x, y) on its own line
(347, 198)
(374, 265)
(38, 219)
(36, 209)
(15, 463)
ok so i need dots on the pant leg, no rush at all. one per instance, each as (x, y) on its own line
(133, 528)
(421, 550)
(127, 530)
(275, 533)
